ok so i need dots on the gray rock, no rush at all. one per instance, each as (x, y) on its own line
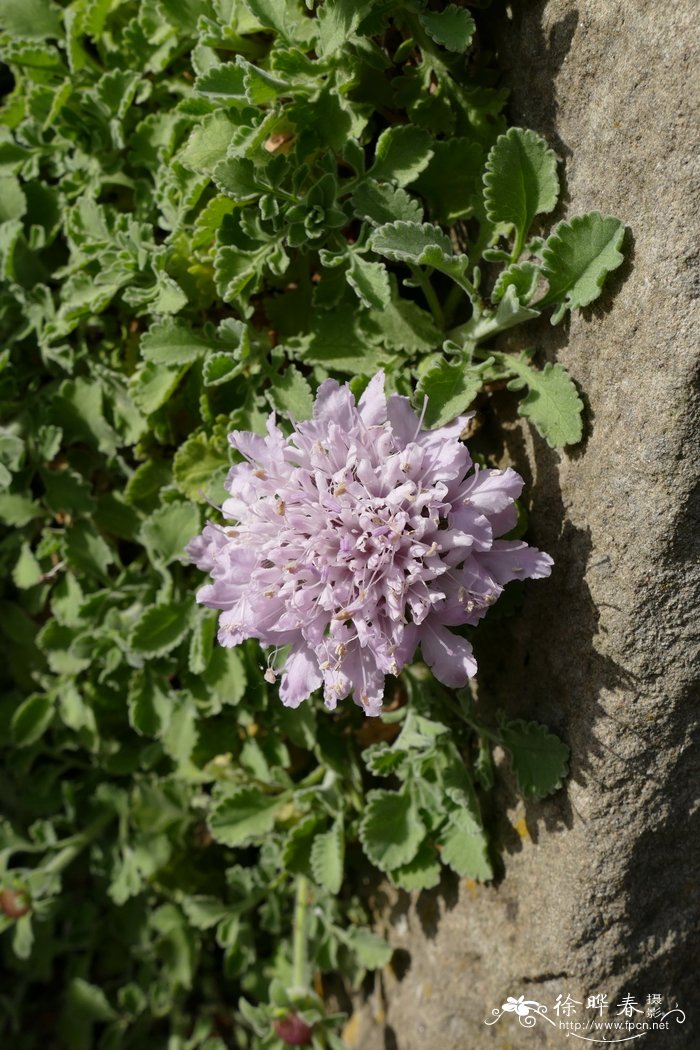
(599, 892)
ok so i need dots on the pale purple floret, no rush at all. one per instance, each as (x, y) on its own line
(357, 539)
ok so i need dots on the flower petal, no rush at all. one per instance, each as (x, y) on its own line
(450, 657)
(373, 402)
(301, 676)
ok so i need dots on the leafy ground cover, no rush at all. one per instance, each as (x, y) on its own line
(207, 207)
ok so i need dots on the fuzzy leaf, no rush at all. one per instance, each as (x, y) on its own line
(465, 847)
(168, 529)
(390, 830)
(411, 242)
(402, 152)
(576, 259)
(244, 816)
(198, 465)
(31, 719)
(421, 873)
(539, 758)
(327, 857)
(225, 676)
(385, 203)
(453, 28)
(172, 342)
(450, 387)
(160, 628)
(372, 951)
(370, 282)
(552, 403)
(290, 393)
(520, 180)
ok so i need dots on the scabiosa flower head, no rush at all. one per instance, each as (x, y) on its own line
(357, 539)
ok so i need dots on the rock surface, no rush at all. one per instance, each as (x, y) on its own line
(600, 890)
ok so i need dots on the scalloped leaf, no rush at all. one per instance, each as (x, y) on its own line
(166, 532)
(372, 951)
(522, 277)
(370, 282)
(403, 152)
(244, 816)
(385, 203)
(411, 242)
(160, 628)
(465, 847)
(577, 257)
(552, 403)
(328, 856)
(390, 830)
(450, 387)
(520, 180)
(421, 873)
(383, 759)
(172, 342)
(453, 28)
(539, 758)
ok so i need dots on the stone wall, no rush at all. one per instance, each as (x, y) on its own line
(599, 891)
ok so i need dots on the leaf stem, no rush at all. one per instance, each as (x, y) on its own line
(423, 280)
(299, 946)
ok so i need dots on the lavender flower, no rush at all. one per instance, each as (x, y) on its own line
(356, 540)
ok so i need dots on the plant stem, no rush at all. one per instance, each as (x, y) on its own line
(299, 947)
(429, 292)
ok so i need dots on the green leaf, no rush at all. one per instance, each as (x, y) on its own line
(465, 846)
(31, 719)
(402, 325)
(208, 143)
(411, 242)
(372, 951)
(327, 857)
(225, 675)
(172, 342)
(450, 387)
(539, 758)
(520, 181)
(552, 403)
(16, 509)
(147, 481)
(244, 816)
(27, 571)
(67, 491)
(421, 873)
(79, 410)
(31, 18)
(198, 466)
(180, 734)
(576, 259)
(205, 912)
(152, 385)
(385, 203)
(337, 20)
(220, 368)
(148, 705)
(87, 1002)
(391, 829)
(523, 277)
(453, 28)
(169, 529)
(160, 628)
(401, 154)
(291, 393)
(86, 550)
(370, 282)
(201, 642)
